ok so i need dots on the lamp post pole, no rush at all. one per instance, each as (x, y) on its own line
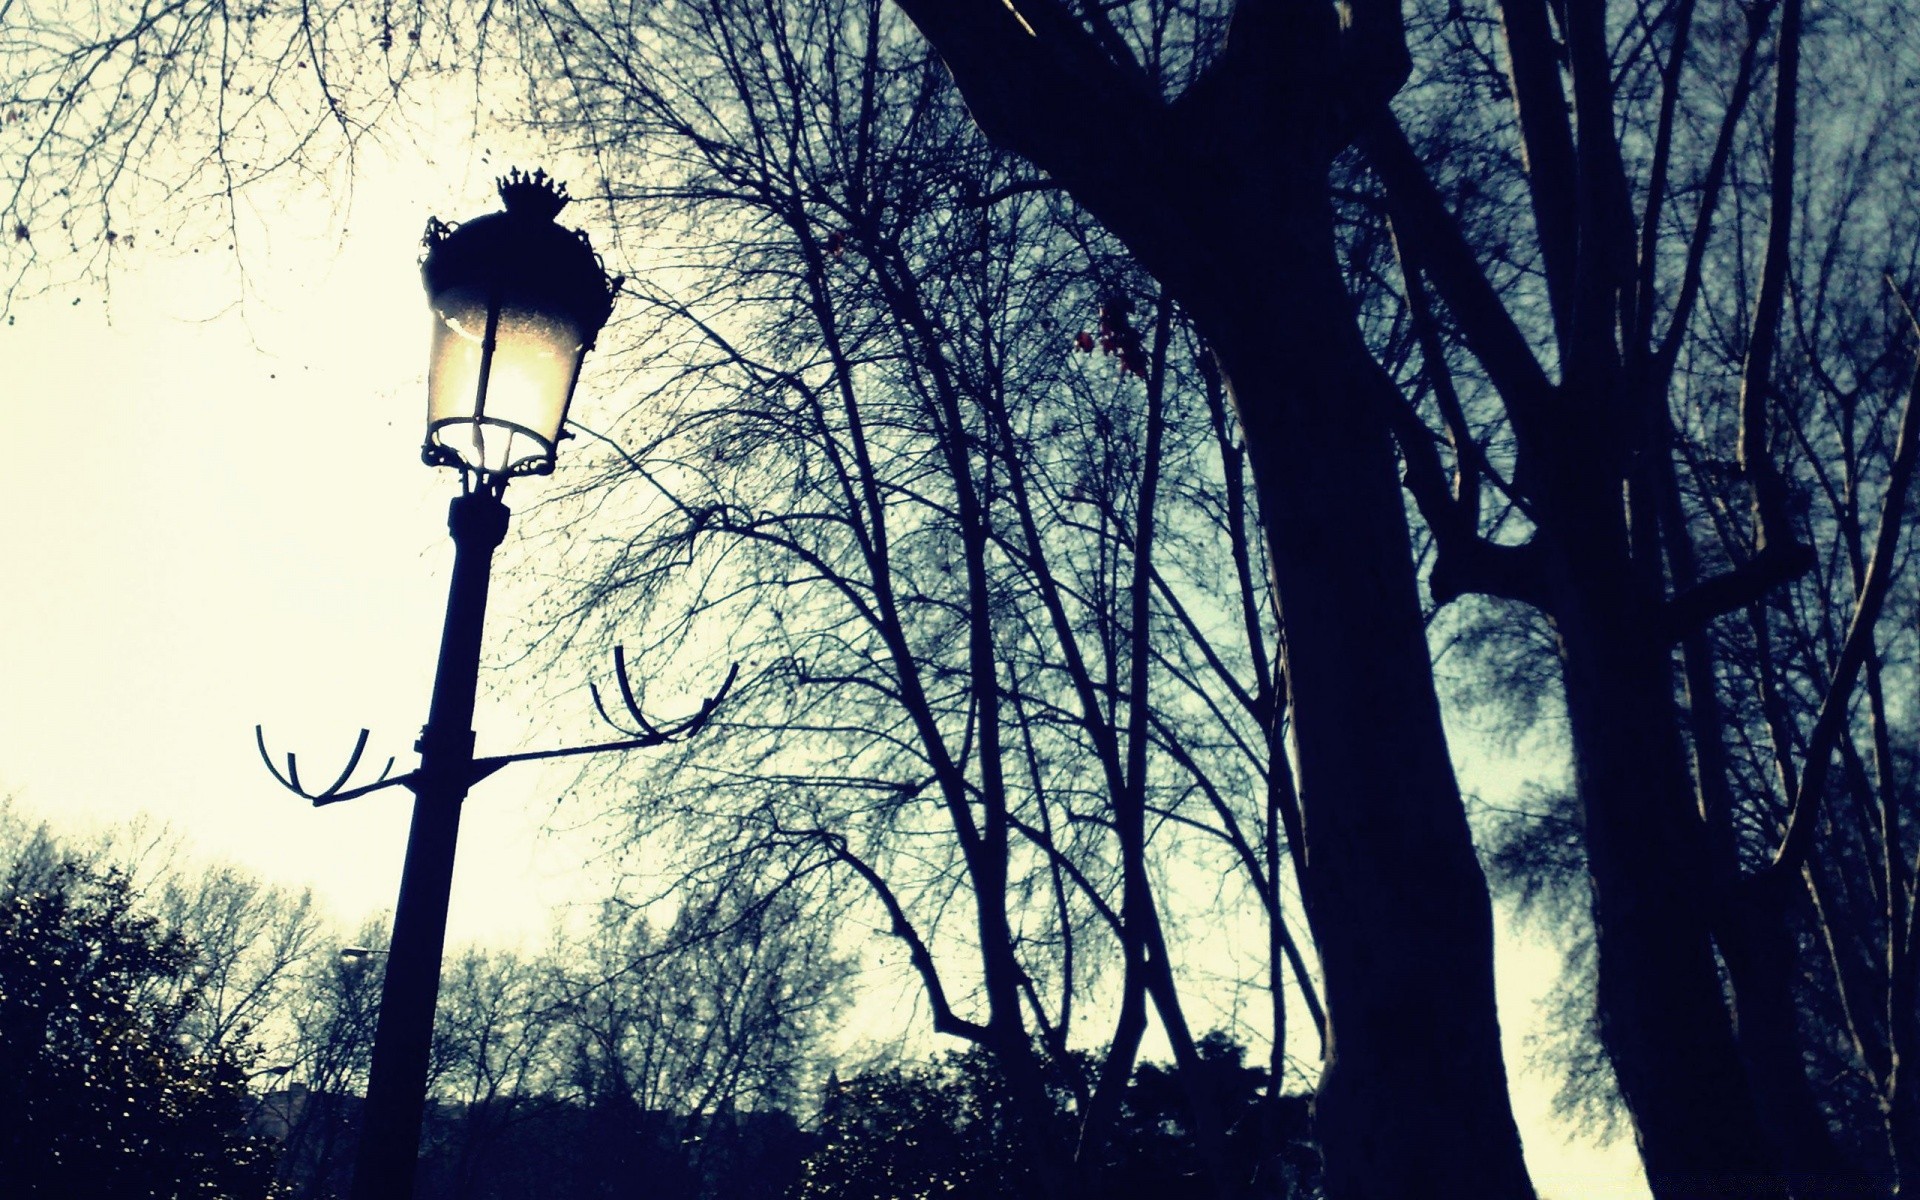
(397, 1082)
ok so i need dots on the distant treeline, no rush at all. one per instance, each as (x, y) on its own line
(172, 1030)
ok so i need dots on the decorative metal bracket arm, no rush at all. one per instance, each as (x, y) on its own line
(648, 732)
(644, 727)
(337, 790)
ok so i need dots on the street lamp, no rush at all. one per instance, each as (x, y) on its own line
(517, 302)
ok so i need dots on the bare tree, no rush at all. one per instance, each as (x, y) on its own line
(493, 1064)
(724, 1010)
(251, 939)
(163, 122)
(974, 573)
(1666, 255)
(1247, 116)
(333, 1011)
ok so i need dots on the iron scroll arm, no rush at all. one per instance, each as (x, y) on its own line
(646, 728)
(648, 733)
(337, 791)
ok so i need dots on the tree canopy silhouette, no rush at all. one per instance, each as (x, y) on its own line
(100, 1093)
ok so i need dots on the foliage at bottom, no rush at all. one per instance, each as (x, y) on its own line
(100, 1094)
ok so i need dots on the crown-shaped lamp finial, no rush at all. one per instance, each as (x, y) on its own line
(537, 195)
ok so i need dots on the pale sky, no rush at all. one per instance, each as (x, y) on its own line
(217, 516)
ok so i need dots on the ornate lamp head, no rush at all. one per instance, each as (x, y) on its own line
(517, 302)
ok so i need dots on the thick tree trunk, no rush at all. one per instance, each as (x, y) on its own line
(1903, 1101)
(1663, 1011)
(1223, 197)
(1757, 945)
(1413, 1098)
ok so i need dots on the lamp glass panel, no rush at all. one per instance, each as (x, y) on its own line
(532, 374)
(529, 381)
(453, 373)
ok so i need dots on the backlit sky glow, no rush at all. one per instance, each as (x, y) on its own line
(217, 516)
